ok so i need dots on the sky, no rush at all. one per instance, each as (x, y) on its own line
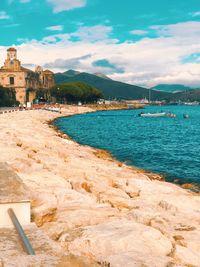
(145, 42)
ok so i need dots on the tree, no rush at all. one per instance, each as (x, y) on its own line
(43, 93)
(75, 92)
(7, 97)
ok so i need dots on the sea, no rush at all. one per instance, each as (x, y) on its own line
(167, 146)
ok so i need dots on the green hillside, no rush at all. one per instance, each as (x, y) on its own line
(61, 77)
(111, 88)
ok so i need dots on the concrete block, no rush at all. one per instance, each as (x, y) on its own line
(22, 210)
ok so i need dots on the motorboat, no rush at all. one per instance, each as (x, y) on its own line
(156, 114)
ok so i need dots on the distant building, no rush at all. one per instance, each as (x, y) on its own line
(25, 82)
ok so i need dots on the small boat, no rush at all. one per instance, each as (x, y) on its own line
(186, 116)
(195, 103)
(157, 114)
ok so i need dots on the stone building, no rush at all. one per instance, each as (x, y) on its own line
(25, 81)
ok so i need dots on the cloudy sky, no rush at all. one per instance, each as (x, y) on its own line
(144, 42)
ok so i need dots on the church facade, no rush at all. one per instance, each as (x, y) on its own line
(25, 81)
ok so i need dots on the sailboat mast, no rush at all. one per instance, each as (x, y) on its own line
(149, 95)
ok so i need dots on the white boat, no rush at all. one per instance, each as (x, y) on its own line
(158, 114)
(195, 103)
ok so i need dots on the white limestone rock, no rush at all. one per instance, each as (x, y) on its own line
(118, 237)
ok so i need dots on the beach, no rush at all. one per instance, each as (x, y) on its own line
(95, 206)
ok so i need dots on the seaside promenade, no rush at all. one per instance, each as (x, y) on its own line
(91, 206)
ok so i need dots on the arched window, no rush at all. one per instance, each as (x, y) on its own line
(12, 80)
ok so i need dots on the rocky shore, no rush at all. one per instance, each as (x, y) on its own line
(95, 207)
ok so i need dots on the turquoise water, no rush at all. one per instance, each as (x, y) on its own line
(170, 146)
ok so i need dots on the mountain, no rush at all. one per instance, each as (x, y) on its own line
(61, 77)
(71, 73)
(171, 88)
(101, 75)
(111, 88)
(187, 96)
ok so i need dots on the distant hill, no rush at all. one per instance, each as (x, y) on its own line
(171, 88)
(187, 96)
(110, 88)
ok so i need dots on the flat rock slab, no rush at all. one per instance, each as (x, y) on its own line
(10, 244)
(12, 252)
(12, 188)
(48, 252)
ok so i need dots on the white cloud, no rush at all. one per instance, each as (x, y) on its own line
(196, 14)
(56, 38)
(21, 1)
(139, 32)
(146, 62)
(93, 34)
(4, 15)
(71, 63)
(11, 25)
(184, 29)
(63, 5)
(55, 28)
(24, 1)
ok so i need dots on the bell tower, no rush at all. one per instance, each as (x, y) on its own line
(11, 54)
(12, 63)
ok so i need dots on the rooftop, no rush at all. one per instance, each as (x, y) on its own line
(11, 49)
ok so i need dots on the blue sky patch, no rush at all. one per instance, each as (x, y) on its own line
(106, 64)
(191, 58)
(20, 19)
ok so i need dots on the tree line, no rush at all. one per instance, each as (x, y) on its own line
(7, 97)
(61, 93)
(70, 93)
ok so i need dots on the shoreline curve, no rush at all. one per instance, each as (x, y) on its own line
(107, 153)
(151, 174)
(94, 207)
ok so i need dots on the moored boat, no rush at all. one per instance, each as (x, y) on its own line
(186, 116)
(157, 114)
